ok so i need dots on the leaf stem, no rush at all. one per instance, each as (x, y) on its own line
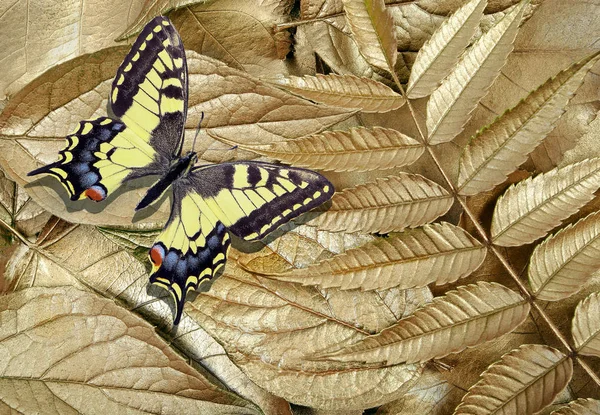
(15, 232)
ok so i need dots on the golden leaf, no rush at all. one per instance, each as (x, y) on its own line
(386, 205)
(469, 316)
(450, 105)
(358, 149)
(562, 264)
(586, 326)
(531, 208)
(441, 52)
(373, 29)
(264, 325)
(524, 381)
(68, 351)
(439, 253)
(500, 148)
(345, 91)
(580, 407)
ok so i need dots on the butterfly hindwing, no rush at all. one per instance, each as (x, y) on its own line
(192, 247)
(149, 92)
(253, 199)
(99, 156)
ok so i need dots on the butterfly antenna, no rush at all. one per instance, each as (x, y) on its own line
(198, 130)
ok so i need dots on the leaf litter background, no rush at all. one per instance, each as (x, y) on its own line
(367, 305)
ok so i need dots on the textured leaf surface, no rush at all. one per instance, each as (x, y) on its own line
(69, 351)
(265, 326)
(450, 105)
(580, 407)
(524, 381)
(531, 208)
(346, 91)
(373, 29)
(586, 326)
(438, 253)
(466, 317)
(562, 264)
(34, 123)
(504, 145)
(440, 53)
(386, 205)
(358, 149)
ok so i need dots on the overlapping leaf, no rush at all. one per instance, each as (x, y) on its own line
(440, 53)
(524, 381)
(265, 324)
(450, 105)
(580, 407)
(586, 326)
(386, 205)
(373, 29)
(345, 91)
(562, 264)
(466, 317)
(358, 149)
(438, 253)
(70, 351)
(531, 208)
(504, 145)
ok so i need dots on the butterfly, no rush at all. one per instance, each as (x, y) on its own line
(144, 136)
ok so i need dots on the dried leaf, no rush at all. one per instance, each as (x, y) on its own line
(530, 209)
(441, 52)
(34, 123)
(450, 106)
(373, 29)
(524, 381)
(270, 328)
(580, 407)
(586, 326)
(469, 316)
(152, 8)
(345, 91)
(562, 264)
(70, 351)
(499, 149)
(358, 149)
(386, 205)
(440, 253)
(36, 38)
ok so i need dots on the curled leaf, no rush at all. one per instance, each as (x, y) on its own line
(347, 91)
(530, 209)
(450, 106)
(441, 52)
(373, 29)
(504, 145)
(438, 253)
(466, 317)
(586, 326)
(359, 149)
(580, 406)
(386, 205)
(524, 381)
(562, 264)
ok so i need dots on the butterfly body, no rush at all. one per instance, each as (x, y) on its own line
(144, 136)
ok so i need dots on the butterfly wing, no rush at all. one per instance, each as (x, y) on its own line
(148, 101)
(248, 198)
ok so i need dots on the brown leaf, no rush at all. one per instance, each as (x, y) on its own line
(440, 253)
(580, 407)
(525, 381)
(469, 316)
(586, 327)
(389, 204)
(70, 351)
(359, 149)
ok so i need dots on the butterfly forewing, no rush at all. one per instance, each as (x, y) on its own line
(149, 92)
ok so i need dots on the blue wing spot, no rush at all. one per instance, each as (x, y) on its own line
(213, 242)
(80, 168)
(181, 267)
(88, 179)
(170, 260)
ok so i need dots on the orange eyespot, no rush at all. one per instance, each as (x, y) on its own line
(157, 254)
(95, 193)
